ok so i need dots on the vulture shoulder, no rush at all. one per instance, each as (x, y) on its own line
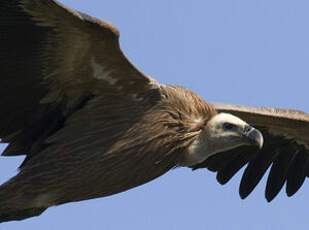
(285, 150)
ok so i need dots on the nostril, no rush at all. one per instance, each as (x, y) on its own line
(247, 129)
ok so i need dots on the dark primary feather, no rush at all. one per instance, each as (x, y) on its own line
(297, 172)
(232, 166)
(286, 150)
(279, 171)
(256, 168)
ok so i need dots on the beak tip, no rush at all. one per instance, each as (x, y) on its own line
(261, 144)
(256, 138)
(260, 140)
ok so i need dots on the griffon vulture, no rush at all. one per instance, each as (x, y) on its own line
(92, 125)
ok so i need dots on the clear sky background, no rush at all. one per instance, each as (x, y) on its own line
(252, 52)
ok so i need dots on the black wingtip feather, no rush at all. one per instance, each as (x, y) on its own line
(297, 173)
(255, 171)
(230, 169)
(278, 172)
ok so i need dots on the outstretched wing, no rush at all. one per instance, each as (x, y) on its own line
(53, 61)
(286, 150)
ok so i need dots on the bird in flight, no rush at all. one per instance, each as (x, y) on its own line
(92, 125)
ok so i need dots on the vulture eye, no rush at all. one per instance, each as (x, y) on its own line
(228, 126)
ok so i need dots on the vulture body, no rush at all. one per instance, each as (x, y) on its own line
(92, 125)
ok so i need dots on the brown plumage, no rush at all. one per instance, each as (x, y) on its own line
(93, 125)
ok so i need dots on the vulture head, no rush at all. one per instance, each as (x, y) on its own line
(222, 132)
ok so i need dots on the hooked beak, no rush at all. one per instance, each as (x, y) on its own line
(253, 136)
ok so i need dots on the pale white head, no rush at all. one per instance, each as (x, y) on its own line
(222, 132)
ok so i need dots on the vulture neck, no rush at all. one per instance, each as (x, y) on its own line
(189, 115)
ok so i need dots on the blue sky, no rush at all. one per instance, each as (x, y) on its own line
(252, 52)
